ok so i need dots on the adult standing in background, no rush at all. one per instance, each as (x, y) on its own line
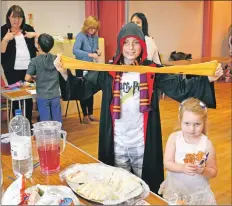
(152, 50)
(18, 48)
(86, 49)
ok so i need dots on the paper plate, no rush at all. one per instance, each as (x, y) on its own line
(52, 194)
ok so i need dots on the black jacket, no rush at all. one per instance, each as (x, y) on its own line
(8, 58)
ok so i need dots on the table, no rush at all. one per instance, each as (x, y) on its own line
(197, 61)
(207, 59)
(17, 95)
(71, 155)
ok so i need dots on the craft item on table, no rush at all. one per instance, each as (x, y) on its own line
(15, 85)
(32, 91)
(202, 69)
(29, 84)
(6, 89)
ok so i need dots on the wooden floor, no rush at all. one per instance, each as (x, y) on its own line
(219, 131)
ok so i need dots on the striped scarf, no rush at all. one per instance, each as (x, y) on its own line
(144, 96)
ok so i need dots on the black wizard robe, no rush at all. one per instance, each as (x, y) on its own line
(173, 86)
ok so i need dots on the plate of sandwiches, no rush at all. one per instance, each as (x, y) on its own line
(105, 184)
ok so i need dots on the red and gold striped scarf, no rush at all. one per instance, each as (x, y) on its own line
(144, 96)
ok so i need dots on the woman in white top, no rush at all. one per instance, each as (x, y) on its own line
(152, 50)
(17, 49)
(190, 158)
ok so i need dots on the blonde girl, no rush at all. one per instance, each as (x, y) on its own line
(190, 157)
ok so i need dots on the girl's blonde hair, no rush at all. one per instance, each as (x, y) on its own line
(90, 22)
(197, 107)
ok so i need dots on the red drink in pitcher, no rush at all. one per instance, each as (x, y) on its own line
(49, 158)
(48, 135)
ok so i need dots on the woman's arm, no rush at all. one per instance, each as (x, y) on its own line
(152, 51)
(31, 34)
(210, 169)
(4, 44)
(5, 40)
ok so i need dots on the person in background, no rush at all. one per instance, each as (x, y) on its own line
(17, 49)
(47, 80)
(190, 157)
(86, 48)
(152, 50)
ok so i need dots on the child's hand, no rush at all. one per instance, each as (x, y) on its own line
(189, 169)
(218, 74)
(9, 36)
(58, 65)
(200, 169)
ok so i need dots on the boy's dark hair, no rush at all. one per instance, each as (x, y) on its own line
(17, 12)
(144, 22)
(45, 42)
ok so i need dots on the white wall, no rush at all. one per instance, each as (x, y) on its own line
(175, 25)
(53, 17)
(221, 23)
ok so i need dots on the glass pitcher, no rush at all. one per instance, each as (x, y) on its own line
(48, 137)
